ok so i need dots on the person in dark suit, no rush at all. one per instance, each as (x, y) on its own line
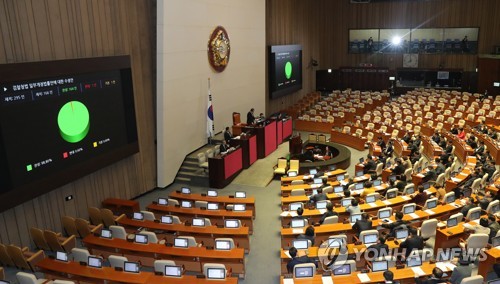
(430, 175)
(297, 260)
(436, 277)
(420, 197)
(454, 130)
(480, 149)
(449, 147)
(227, 135)
(308, 235)
(389, 149)
(250, 117)
(381, 143)
(389, 277)
(329, 213)
(469, 204)
(440, 168)
(413, 242)
(417, 141)
(398, 223)
(406, 138)
(363, 224)
(319, 196)
(378, 249)
(413, 148)
(461, 271)
(399, 169)
(369, 165)
(435, 137)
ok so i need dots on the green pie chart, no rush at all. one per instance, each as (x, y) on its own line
(73, 121)
(288, 70)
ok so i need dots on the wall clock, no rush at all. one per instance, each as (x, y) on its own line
(219, 49)
(410, 60)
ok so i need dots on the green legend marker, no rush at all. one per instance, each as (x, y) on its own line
(73, 121)
(29, 168)
(288, 70)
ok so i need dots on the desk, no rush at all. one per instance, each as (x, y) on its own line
(224, 168)
(266, 138)
(431, 149)
(374, 149)
(287, 128)
(215, 216)
(401, 148)
(121, 206)
(248, 145)
(357, 143)
(313, 126)
(492, 257)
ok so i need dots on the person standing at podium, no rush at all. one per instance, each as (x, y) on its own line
(250, 117)
(227, 134)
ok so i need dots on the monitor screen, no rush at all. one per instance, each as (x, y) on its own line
(94, 262)
(240, 194)
(216, 273)
(452, 222)
(360, 173)
(213, 206)
(173, 271)
(384, 213)
(298, 223)
(212, 193)
(335, 242)
(467, 192)
(62, 256)
(231, 223)
(318, 181)
(303, 272)
(166, 219)
(138, 216)
(199, 222)
(370, 198)
(315, 191)
(186, 190)
(359, 186)
(340, 177)
(313, 171)
(391, 194)
(450, 198)
(370, 239)
(282, 60)
(141, 239)
(494, 209)
(105, 233)
(295, 206)
(409, 209)
(130, 266)
(355, 217)
(162, 201)
(180, 243)
(186, 204)
(475, 215)
(410, 190)
(239, 207)
(300, 244)
(346, 202)
(402, 234)
(414, 261)
(321, 204)
(392, 177)
(495, 241)
(292, 174)
(379, 266)
(495, 281)
(344, 269)
(426, 185)
(377, 182)
(222, 245)
(338, 189)
(431, 204)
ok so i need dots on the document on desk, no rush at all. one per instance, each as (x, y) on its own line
(297, 231)
(455, 179)
(387, 202)
(294, 213)
(414, 215)
(430, 212)
(322, 211)
(406, 197)
(418, 271)
(287, 253)
(372, 204)
(284, 213)
(442, 266)
(363, 277)
(327, 280)
(288, 281)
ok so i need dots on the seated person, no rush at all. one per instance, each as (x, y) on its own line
(389, 277)
(381, 143)
(329, 213)
(399, 169)
(227, 134)
(297, 259)
(354, 207)
(420, 197)
(319, 196)
(368, 188)
(224, 147)
(436, 277)
(363, 224)
(413, 242)
(493, 225)
(378, 249)
(308, 235)
(389, 149)
(399, 223)
(430, 174)
(461, 271)
(482, 228)
(369, 165)
(469, 204)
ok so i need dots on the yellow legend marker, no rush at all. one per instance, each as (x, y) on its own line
(95, 144)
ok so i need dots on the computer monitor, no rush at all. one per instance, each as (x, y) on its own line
(94, 261)
(359, 186)
(426, 185)
(431, 204)
(198, 222)
(166, 219)
(180, 243)
(370, 198)
(62, 256)
(300, 244)
(130, 266)
(292, 174)
(138, 216)
(303, 272)
(410, 190)
(216, 273)
(240, 194)
(186, 190)
(355, 217)
(385, 213)
(338, 189)
(391, 194)
(162, 201)
(173, 270)
(231, 223)
(361, 160)
(212, 206)
(495, 241)
(346, 202)
(450, 198)
(467, 192)
(340, 177)
(360, 173)
(475, 215)
(295, 206)
(321, 204)
(392, 177)
(494, 209)
(186, 204)
(297, 223)
(377, 182)
(344, 269)
(452, 222)
(409, 209)
(313, 171)
(494, 281)
(105, 233)
(212, 193)
(402, 234)
(335, 242)
(318, 181)
(379, 266)
(222, 245)
(239, 207)
(141, 239)
(414, 261)
(370, 239)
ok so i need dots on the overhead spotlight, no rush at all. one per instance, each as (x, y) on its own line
(329, 70)
(396, 40)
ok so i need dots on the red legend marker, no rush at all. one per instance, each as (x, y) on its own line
(65, 155)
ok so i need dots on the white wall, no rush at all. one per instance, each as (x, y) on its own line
(184, 28)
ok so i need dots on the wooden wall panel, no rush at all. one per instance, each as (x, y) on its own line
(322, 27)
(40, 30)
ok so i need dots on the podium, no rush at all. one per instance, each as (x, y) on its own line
(248, 145)
(222, 169)
(266, 138)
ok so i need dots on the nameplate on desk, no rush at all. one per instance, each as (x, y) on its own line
(387, 202)
(298, 231)
(414, 215)
(327, 280)
(430, 212)
(322, 211)
(284, 213)
(288, 281)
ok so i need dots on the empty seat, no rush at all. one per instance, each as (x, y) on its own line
(80, 255)
(95, 216)
(23, 258)
(5, 258)
(28, 278)
(117, 261)
(108, 218)
(281, 167)
(159, 265)
(39, 239)
(69, 226)
(148, 215)
(84, 228)
(118, 232)
(206, 266)
(59, 243)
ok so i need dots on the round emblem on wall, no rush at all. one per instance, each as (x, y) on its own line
(219, 49)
